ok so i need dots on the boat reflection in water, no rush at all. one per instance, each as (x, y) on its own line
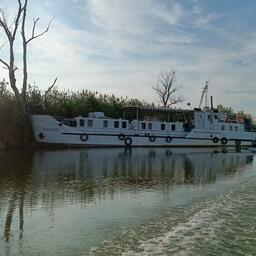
(139, 166)
(43, 181)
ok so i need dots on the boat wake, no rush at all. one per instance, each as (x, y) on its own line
(206, 228)
(181, 239)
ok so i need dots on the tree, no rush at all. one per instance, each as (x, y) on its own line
(224, 109)
(165, 89)
(10, 30)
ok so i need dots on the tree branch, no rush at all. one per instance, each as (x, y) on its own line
(165, 88)
(48, 90)
(17, 19)
(34, 27)
(5, 63)
(54, 82)
(3, 24)
(33, 36)
(24, 57)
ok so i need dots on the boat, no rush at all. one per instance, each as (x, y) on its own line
(145, 126)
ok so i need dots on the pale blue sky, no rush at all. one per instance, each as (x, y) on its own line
(120, 47)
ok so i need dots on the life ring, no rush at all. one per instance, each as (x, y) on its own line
(215, 140)
(128, 141)
(254, 143)
(224, 141)
(84, 137)
(168, 139)
(121, 136)
(241, 120)
(238, 142)
(152, 138)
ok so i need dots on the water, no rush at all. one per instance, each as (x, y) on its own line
(128, 202)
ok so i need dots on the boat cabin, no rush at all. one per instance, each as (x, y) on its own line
(213, 120)
(163, 120)
(97, 120)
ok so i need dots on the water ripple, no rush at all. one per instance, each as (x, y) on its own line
(222, 226)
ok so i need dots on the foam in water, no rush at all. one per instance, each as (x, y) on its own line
(179, 240)
(186, 227)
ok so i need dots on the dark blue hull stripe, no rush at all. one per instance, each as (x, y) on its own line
(156, 136)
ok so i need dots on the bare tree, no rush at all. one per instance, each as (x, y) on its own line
(10, 31)
(165, 89)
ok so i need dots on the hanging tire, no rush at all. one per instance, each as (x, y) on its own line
(152, 138)
(128, 141)
(168, 139)
(238, 142)
(84, 137)
(224, 141)
(254, 143)
(215, 140)
(121, 136)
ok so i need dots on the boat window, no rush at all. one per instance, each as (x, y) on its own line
(71, 123)
(236, 128)
(208, 117)
(143, 126)
(89, 123)
(116, 124)
(150, 126)
(231, 128)
(223, 127)
(173, 127)
(105, 123)
(162, 127)
(81, 122)
(124, 124)
(215, 117)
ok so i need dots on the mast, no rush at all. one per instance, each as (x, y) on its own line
(204, 95)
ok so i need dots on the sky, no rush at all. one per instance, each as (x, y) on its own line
(120, 47)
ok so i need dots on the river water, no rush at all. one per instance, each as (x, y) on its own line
(128, 202)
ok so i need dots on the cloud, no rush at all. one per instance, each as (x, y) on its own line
(246, 91)
(206, 19)
(131, 26)
(121, 46)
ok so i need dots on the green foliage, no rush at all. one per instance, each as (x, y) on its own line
(10, 120)
(223, 109)
(69, 103)
(4, 92)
